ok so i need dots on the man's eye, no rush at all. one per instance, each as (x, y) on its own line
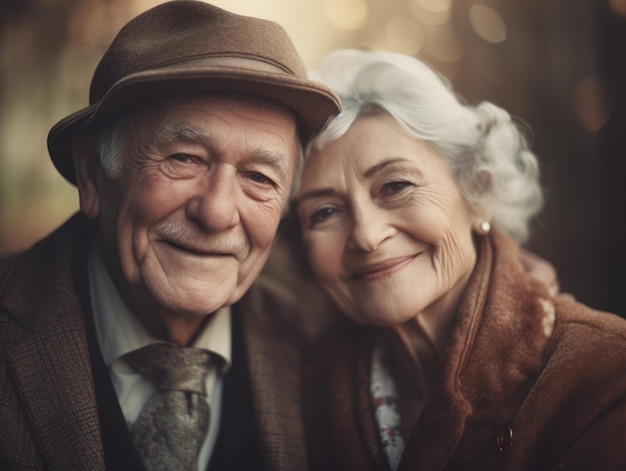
(184, 158)
(259, 178)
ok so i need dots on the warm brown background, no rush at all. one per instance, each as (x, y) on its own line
(560, 65)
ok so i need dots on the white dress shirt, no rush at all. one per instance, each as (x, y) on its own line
(119, 332)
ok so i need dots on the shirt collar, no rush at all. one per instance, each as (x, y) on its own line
(119, 332)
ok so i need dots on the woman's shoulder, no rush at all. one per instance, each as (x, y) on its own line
(587, 348)
(579, 394)
(581, 324)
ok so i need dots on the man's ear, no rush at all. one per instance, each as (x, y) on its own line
(88, 172)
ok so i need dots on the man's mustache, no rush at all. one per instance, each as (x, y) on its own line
(194, 238)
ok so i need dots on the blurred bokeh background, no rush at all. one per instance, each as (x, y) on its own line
(559, 65)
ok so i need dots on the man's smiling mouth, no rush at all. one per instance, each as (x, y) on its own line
(196, 250)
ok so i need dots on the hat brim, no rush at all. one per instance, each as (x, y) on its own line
(312, 103)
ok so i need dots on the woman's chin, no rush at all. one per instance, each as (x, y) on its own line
(377, 319)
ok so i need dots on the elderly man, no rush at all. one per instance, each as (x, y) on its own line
(184, 162)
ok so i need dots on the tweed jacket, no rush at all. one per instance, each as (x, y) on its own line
(525, 382)
(48, 413)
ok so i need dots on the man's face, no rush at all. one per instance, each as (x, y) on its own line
(189, 223)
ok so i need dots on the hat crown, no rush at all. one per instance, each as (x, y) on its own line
(191, 47)
(185, 30)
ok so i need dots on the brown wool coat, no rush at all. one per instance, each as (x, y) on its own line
(48, 415)
(526, 382)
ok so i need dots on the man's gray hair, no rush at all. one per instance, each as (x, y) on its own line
(486, 150)
(110, 147)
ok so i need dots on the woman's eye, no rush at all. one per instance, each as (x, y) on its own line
(322, 215)
(393, 188)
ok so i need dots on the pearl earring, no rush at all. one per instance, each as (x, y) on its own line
(485, 227)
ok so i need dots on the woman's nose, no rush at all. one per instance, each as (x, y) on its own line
(215, 205)
(370, 228)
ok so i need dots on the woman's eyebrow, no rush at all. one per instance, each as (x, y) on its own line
(315, 194)
(370, 172)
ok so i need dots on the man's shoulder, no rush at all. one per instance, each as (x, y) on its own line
(297, 311)
(45, 255)
(64, 237)
(39, 282)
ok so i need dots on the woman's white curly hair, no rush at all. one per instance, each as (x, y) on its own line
(483, 146)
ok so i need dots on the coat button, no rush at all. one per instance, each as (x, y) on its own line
(505, 439)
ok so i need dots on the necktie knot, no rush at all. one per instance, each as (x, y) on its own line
(172, 425)
(172, 368)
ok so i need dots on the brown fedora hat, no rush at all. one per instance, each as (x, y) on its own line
(187, 46)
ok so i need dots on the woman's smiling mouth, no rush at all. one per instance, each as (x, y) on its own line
(379, 270)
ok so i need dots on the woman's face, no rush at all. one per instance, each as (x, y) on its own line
(386, 229)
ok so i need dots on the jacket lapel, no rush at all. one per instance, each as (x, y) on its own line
(353, 425)
(489, 361)
(274, 379)
(57, 392)
(51, 366)
(442, 424)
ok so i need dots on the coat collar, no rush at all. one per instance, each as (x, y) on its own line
(488, 363)
(490, 360)
(504, 322)
(51, 365)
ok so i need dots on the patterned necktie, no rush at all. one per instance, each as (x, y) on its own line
(171, 427)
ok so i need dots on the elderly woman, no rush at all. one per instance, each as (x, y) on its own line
(411, 206)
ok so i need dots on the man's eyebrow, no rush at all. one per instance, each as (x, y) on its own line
(183, 133)
(273, 158)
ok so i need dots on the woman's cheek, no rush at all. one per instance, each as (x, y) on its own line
(319, 256)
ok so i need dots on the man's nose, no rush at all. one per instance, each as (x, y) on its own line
(369, 229)
(215, 203)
